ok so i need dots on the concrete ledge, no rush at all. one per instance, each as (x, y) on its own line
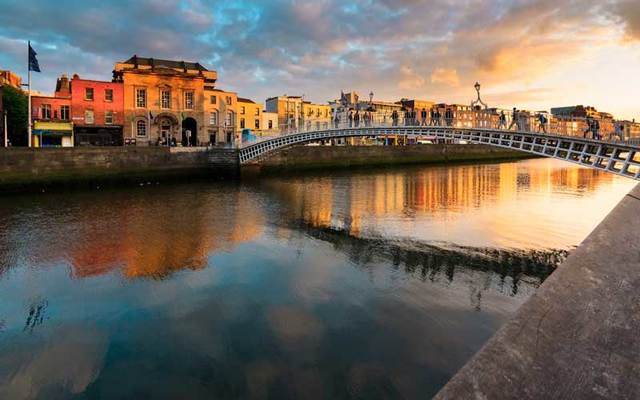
(578, 337)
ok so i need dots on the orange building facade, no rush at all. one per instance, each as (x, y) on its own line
(164, 101)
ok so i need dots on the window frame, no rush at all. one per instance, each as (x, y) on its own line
(213, 99)
(109, 98)
(213, 118)
(141, 123)
(89, 121)
(47, 108)
(63, 114)
(88, 90)
(162, 99)
(108, 117)
(137, 91)
(189, 94)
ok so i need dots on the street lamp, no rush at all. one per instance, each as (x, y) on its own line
(478, 102)
(371, 98)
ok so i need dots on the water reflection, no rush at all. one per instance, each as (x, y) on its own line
(434, 263)
(367, 285)
(533, 204)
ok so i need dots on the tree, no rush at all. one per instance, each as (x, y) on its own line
(14, 102)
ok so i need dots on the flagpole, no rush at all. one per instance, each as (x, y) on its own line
(29, 90)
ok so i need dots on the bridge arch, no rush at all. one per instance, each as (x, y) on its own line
(617, 158)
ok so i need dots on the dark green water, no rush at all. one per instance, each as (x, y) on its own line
(368, 285)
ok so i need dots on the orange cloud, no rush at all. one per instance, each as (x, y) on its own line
(446, 76)
(410, 79)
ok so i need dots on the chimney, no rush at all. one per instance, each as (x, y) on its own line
(63, 86)
(135, 61)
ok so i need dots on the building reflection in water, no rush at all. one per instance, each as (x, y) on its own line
(146, 235)
(520, 205)
(152, 232)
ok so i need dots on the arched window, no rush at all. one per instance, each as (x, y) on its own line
(141, 128)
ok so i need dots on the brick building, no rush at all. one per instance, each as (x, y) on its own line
(97, 111)
(51, 115)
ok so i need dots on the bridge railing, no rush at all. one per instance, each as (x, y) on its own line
(569, 127)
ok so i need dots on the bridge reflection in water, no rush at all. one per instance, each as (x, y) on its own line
(354, 284)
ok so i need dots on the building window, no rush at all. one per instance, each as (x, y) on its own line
(88, 116)
(64, 113)
(46, 111)
(108, 117)
(229, 121)
(88, 94)
(165, 99)
(141, 98)
(270, 124)
(214, 100)
(257, 124)
(141, 128)
(213, 118)
(242, 110)
(188, 100)
(257, 112)
(228, 100)
(241, 123)
(108, 95)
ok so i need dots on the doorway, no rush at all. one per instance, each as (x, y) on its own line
(189, 132)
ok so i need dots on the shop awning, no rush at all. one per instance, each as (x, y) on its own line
(58, 127)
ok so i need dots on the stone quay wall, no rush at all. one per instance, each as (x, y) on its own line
(25, 169)
(320, 157)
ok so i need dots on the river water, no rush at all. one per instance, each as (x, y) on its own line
(376, 284)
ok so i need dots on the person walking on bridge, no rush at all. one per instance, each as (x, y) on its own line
(394, 118)
(542, 123)
(514, 119)
(356, 119)
(448, 117)
(350, 119)
(502, 120)
(423, 117)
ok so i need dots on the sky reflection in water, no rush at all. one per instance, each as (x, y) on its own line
(346, 285)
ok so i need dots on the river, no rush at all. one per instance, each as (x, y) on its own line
(376, 284)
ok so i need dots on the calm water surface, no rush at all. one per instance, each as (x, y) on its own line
(367, 285)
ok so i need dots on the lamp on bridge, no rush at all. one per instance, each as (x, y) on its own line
(476, 104)
(370, 101)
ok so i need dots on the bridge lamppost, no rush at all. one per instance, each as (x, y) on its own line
(478, 102)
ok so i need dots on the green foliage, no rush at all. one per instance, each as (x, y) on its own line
(15, 103)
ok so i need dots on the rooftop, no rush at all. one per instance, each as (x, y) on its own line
(157, 62)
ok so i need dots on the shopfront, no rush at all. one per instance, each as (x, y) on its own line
(52, 134)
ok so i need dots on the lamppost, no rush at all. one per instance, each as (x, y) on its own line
(371, 98)
(478, 102)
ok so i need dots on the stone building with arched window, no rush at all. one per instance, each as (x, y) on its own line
(164, 101)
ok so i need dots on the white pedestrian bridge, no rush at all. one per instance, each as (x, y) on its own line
(621, 158)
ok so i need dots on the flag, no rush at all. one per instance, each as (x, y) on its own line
(33, 61)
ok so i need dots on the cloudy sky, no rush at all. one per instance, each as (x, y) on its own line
(530, 53)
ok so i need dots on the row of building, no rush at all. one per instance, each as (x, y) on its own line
(164, 102)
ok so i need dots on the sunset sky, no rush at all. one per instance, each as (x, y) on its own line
(533, 54)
